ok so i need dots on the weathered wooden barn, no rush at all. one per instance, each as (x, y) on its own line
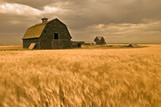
(52, 34)
(99, 40)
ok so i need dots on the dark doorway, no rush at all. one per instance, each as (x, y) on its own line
(56, 36)
(79, 45)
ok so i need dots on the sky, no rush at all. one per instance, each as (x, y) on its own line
(118, 21)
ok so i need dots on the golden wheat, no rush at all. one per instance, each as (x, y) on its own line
(81, 77)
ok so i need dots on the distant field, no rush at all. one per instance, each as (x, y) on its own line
(108, 46)
(11, 47)
(111, 46)
(87, 77)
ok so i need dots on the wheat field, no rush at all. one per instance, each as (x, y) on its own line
(81, 77)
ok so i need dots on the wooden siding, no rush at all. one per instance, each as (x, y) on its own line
(61, 44)
(47, 40)
(27, 43)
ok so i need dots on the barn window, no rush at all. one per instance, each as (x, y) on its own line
(56, 36)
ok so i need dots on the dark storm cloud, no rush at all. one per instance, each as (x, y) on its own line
(33, 3)
(41, 3)
(87, 12)
(122, 11)
(85, 17)
(91, 12)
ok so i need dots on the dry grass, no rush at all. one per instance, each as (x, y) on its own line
(11, 47)
(81, 78)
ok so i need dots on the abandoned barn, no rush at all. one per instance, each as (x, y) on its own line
(99, 40)
(48, 35)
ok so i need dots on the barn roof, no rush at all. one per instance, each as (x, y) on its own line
(36, 30)
(99, 38)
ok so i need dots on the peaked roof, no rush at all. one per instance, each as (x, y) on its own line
(99, 38)
(36, 30)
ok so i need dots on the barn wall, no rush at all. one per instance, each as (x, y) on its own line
(27, 42)
(61, 44)
(99, 42)
(47, 40)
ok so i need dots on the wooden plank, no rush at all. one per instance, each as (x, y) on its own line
(32, 45)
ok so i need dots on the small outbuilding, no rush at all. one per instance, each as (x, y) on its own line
(133, 45)
(51, 34)
(77, 44)
(99, 40)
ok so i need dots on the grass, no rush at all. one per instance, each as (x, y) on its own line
(110, 46)
(11, 48)
(81, 77)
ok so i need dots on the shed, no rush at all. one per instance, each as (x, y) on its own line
(133, 45)
(77, 44)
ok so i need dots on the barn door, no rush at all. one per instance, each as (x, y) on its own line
(32, 46)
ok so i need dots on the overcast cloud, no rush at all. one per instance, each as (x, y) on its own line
(119, 21)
